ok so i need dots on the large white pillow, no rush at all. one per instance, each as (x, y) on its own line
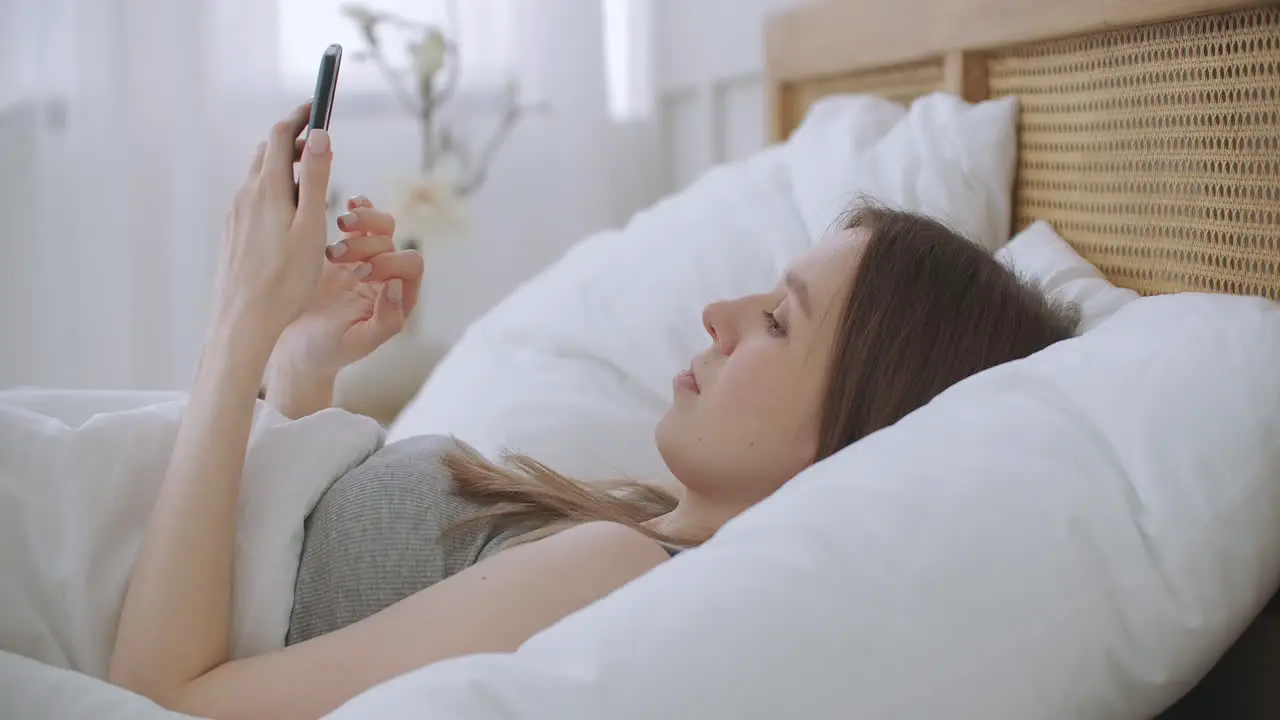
(575, 366)
(1078, 534)
(945, 157)
(1040, 254)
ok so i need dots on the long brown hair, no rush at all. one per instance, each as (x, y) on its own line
(925, 309)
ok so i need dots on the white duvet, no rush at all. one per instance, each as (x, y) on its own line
(78, 475)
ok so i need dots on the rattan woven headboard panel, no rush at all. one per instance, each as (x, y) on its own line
(1156, 151)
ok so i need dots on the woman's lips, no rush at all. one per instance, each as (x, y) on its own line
(685, 380)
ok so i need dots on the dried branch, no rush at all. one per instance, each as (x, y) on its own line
(402, 95)
(476, 176)
(434, 88)
(442, 92)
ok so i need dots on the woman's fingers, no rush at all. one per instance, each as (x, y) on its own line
(255, 167)
(358, 248)
(279, 155)
(367, 220)
(313, 178)
(358, 201)
(389, 313)
(406, 266)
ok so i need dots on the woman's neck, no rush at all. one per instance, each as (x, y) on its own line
(694, 518)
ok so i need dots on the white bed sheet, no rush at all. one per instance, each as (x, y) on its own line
(30, 690)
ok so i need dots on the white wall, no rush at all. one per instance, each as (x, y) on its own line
(710, 72)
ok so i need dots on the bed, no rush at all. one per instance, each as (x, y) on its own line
(1149, 137)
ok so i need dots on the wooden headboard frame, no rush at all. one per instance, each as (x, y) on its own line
(1149, 136)
(840, 37)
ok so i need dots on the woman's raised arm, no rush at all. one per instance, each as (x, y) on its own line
(172, 640)
(175, 621)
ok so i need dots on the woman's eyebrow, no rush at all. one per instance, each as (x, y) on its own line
(799, 288)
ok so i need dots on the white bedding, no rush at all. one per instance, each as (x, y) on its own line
(1105, 511)
(574, 368)
(33, 690)
(1079, 534)
(78, 475)
(727, 235)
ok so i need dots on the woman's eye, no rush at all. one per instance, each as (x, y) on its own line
(775, 328)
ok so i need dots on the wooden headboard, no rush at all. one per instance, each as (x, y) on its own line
(1149, 133)
(1149, 136)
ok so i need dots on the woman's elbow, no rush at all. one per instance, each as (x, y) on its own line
(142, 679)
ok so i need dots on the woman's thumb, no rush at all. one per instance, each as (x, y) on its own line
(313, 176)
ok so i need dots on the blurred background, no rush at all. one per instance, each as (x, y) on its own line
(500, 131)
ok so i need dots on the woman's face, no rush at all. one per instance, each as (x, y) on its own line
(746, 412)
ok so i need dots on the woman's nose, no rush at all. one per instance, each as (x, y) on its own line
(716, 318)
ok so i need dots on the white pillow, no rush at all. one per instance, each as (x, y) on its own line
(1040, 254)
(574, 367)
(75, 500)
(1078, 534)
(945, 157)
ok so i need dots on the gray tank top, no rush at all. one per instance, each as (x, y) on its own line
(377, 536)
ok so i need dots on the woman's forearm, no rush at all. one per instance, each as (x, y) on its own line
(176, 617)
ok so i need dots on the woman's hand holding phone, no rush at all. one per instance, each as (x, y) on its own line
(272, 251)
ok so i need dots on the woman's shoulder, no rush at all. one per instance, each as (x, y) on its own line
(613, 539)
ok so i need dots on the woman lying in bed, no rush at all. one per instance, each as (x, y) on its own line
(427, 551)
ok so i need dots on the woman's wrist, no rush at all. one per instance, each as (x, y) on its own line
(235, 351)
(297, 391)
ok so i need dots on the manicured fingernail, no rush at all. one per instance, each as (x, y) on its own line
(318, 141)
(394, 290)
(363, 270)
(346, 221)
(337, 250)
(360, 200)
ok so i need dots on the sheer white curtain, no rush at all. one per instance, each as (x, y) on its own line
(629, 58)
(125, 126)
(135, 120)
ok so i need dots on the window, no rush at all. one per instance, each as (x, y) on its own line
(307, 27)
(628, 50)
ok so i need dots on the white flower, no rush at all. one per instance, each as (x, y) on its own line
(429, 209)
(429, 54)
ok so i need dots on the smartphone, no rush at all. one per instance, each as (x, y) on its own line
(326, 85)
(322, 102)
